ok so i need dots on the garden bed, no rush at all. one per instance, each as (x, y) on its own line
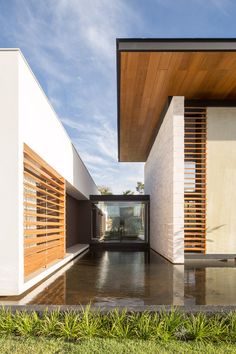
(85, 324)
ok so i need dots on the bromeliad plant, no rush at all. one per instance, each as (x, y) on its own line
(87, 323)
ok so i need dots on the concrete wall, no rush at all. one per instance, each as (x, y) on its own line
(26, 116)
(164, 181)
(78, 221)
(221, 181)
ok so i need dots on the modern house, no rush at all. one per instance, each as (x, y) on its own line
(44, 185)
(177, 113)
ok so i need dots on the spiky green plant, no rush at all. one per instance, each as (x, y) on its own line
(231, 327)
(26, 324)
(86, 324)
(143, 326)
(50, 323)
(70, 326)
(219, 327)
(7, 323)
(198, 328)
(90, 323)
(170, 324)
(120, 324)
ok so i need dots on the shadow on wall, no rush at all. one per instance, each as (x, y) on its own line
(78, 221)
(81, 176)
(211, 230)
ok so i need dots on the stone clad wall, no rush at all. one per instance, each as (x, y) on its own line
(221, 180)
(164, 181)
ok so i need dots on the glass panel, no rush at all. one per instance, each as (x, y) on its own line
(119, 221)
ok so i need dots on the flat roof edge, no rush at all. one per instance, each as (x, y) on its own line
(9, 49)
(176, 44)
(119, 197)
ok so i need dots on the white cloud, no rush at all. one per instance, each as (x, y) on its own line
(70, 46)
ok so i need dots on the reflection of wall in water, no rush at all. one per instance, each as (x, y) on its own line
(195, 286)
(178, 284)
(221, 286)
(168, 287)
(54, 294)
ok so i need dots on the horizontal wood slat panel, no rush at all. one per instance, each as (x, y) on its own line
(34, 169)
(29, 153)
(41, 207)
(44, 213)
(43, 216)
(29, 186)
(41, 239)
(45, 184)
(41, 259)
(43, 223)
(195, 180)
(42, 247)
(29, 232)
(45, 200)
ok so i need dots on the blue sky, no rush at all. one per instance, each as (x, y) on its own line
(70, 45)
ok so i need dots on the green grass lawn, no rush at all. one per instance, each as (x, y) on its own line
(48, 346)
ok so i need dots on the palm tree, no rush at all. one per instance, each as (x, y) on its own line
(105, 190)
(128, 192)
(140, 187)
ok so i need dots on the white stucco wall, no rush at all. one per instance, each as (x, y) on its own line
(44, 133)
(221, 180)
(164, 181)
(26, 116)
(11, 216)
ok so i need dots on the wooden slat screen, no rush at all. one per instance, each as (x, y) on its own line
(44, 213)
(195, 179)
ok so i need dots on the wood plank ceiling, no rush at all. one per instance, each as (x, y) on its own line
(148, 78)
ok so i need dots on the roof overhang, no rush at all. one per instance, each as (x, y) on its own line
(149, 71)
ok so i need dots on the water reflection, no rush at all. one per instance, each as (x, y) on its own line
(140, 278)
(137, 278)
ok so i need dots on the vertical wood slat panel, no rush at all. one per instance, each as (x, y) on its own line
(44, 213)
(195, 156)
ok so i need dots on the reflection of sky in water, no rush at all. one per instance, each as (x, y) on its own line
(138, 278)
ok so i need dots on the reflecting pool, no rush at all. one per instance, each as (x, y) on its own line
(138, 278)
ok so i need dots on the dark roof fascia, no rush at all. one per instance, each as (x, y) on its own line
(210, 103)
(175, 44)
(120, 198)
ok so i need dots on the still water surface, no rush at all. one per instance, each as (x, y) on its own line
(141, 278)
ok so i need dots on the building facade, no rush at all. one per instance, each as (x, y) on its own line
(44, 184)
(177, 113)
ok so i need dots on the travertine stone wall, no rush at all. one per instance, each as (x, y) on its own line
(221, 180)
(164, 181)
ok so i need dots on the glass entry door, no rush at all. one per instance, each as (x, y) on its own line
(119, 221)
